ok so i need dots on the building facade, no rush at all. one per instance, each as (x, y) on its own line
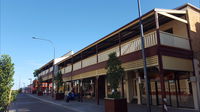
(172, 61)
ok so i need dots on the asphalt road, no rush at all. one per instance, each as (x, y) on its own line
(25, 103)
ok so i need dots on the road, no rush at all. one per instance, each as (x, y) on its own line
(25, 103)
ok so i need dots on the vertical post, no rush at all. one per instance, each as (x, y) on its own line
(144, 59)
(156, 88)
(72, 61)
(106, 88)
(81, 59)
(161, 71)
(122, 83)
(175, 81)
(120, 44)
(97, 53)
(97, 90)
(138, 87)
(195, 72)
(81, 90)
(169, 91)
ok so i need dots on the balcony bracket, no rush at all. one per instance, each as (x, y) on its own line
(173, 17)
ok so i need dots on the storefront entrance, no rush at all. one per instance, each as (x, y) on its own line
(177, 87)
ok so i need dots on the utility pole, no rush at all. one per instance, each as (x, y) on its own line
(144, 59)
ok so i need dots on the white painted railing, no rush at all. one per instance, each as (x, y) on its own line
(104, 55)
(77, 65)
(46, 71)
(89, 61)
(68, 69)
(174, 41)
(150, 39)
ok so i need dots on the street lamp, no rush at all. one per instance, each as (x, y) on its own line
(30, 84)
(144, 59)
(54, 52)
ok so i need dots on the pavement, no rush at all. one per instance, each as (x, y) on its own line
(34, 103)
(25, 103)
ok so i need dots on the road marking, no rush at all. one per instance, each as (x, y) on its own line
(67, 107)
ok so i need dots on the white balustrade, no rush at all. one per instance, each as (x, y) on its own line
(174, 41)
(89, 61)
(77, 65)
(150, 39)
(104, 55)
(68, 69)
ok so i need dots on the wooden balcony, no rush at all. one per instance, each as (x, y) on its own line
(171, 40)
(131, 46)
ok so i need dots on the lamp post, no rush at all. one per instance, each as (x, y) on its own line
(144, 59)
(54, 52)
(30, 84)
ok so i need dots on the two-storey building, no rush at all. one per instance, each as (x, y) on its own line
(169, 44)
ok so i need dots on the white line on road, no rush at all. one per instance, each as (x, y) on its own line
(67, 107)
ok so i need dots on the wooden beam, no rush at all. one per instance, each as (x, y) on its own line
(171, 11)
(173, 17)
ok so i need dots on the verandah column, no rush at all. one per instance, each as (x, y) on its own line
(106, 88)
(97, 90)
(194, 90)
(160, 64)
(72, 62)
(97, 80)
(138, 87)
(122, 80)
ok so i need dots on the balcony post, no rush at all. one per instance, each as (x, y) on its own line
(122, 81)
(97, 90)
(160, 64)
(97, 53)
(72, 61)
(157, 28)
(81, 59)
(120, 44)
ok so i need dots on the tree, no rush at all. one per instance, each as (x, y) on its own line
(6, 81)
(59, 81)
(36, 73)
(39, 84)
(114, 74)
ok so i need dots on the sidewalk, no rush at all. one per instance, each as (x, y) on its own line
(90, 106)
(85, 106)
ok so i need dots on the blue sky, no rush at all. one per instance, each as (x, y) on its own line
(70, 24)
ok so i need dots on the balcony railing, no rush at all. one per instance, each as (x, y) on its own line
(103, 56)
(89, 61)
(174, 41)
(46, 71)
(134, 45)
(77, 65)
